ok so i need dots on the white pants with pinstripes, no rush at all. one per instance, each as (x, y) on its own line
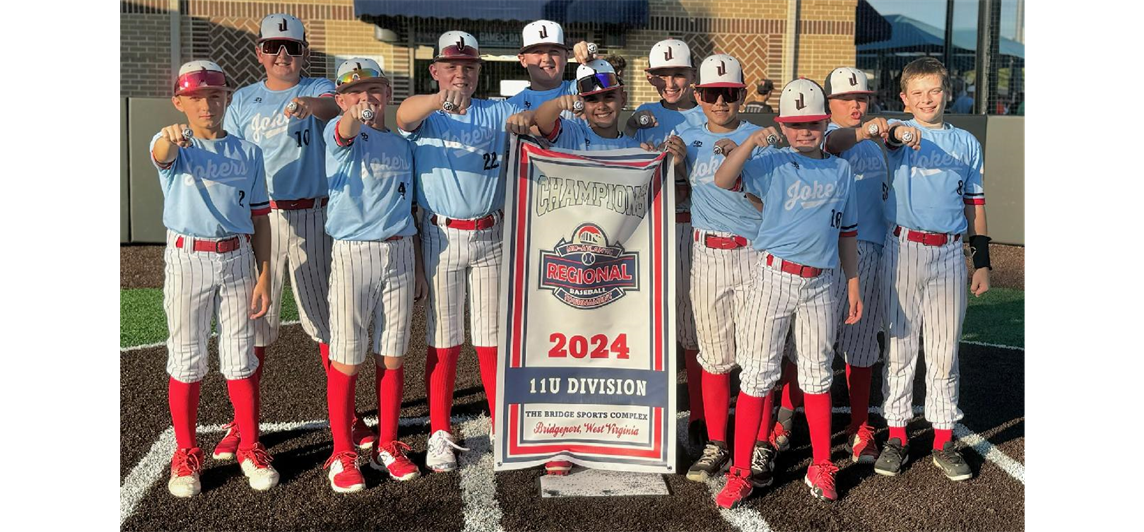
(199, 286)
(684, 314)
(858, 343)
(371, 280)
(720, 287)
(299, 242)
(925, 294)
(776, 299)
(460, 262)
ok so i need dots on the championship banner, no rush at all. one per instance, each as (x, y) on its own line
(587, 331)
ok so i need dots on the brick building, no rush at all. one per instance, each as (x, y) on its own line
(754, 31)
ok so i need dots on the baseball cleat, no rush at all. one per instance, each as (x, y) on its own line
(780, 434)
(763, 464)
(820, 478)
(362, 436)
(696, 437)
(558, 467)
(440, 457)
(228, 445)
(893, 457)
(344, 475)
(950, 461)
(736, 490)
(255, 464)
(185, 467)
(390, 458)
(714, 459)
(863, 449)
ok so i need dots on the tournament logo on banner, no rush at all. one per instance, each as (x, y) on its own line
(587, 310)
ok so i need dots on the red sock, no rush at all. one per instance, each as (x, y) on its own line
(487, 356)
(390, 385)
(716, 399)
(767, 422)
(440, 376)
(244, 397)
(183, 399)
(340, 390)
(792, 396)
(940, 436)
(260, 354)
(818, 418)
(900, 434)
(858, 382)
(324, 349)
(694, 385)
(748, 415)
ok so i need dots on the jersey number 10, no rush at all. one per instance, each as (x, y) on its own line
(302, 137)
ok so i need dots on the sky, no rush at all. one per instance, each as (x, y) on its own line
(932, 12)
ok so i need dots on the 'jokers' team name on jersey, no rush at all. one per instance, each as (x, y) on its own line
(371, 185)
(932, 186)
(868, 164)
(668, 122)
(714, 208)
(578, 135)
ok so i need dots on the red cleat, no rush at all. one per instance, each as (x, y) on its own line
(362, 436)
(820, 478)
(344, 475)
(558, 467)
(390, 458)
(863, 448)
(737, 489)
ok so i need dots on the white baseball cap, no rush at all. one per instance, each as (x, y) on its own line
(669, 53)
(846, 80)
(596, 76)
(802, 100)
(282, 26)
(542, 32)
(457, 46)
(201, 74)
(358, 70)
(721, 70)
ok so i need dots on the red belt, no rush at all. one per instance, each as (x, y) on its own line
(214, 246)
(682, 217)
(924, 238)
(469, 225)
(394, 237)
(298, 204)
(722, 242)
(796, 269)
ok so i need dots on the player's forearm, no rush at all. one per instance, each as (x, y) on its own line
(164, 151)
(728, 173)
(414, 110)
(324, 107)
(841, 140)
(545, 118)
(975, 216)
(348, 126)
(261, 242)
(848, 255)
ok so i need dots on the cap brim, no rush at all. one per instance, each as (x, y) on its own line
(849, 92)
(457, 58)
(197, 89)
(599, 91)
(797, 119)
(347, 86)
(303, 41)
(537, 45)
(721, 85)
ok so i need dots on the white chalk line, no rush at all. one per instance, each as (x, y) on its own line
(742, 518)
(482, 512)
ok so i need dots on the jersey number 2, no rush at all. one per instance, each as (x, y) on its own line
(491, 161)
(241, 196)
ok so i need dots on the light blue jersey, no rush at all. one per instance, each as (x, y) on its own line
(371, 185)
(531, 100)
(293, 148)
(457, 160)
(668, 122)
(932, 186)
(578, 135)
(714, 208)
(869, 166)
(212, 189)
(808, 204)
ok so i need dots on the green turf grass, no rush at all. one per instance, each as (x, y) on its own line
(142, 320)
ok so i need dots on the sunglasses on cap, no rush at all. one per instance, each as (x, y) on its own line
(358, 74)
(274, 46)
(712, 94)
(597, 82)
(200, 79)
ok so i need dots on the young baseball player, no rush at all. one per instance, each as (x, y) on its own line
(808, 226)
(214, 208)
(376, 269)
(544, 54)
(722, 259)
(672, 73)
(936, 194)
(601, 96)
(284, 115)
(457, 144)
(848, 96)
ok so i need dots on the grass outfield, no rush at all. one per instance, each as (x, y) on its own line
(998, 317)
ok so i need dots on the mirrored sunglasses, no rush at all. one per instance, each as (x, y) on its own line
(597, 82)
(358, 74)
(712, 94)
(200, 79)
(273, 46)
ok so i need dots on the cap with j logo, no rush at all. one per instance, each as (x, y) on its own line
(846, 80)
(802, 100)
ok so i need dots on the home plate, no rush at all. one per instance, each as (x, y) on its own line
(600, 483)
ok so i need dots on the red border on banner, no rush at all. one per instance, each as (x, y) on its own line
(522, 450)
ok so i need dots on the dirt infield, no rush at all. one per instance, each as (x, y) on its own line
(992, 397)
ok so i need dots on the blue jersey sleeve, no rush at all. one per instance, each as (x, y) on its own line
(320, 87)
(259, 197)
(849, 225)
(756, 175)
(569, 135)
(974, 192)
(166, 174)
